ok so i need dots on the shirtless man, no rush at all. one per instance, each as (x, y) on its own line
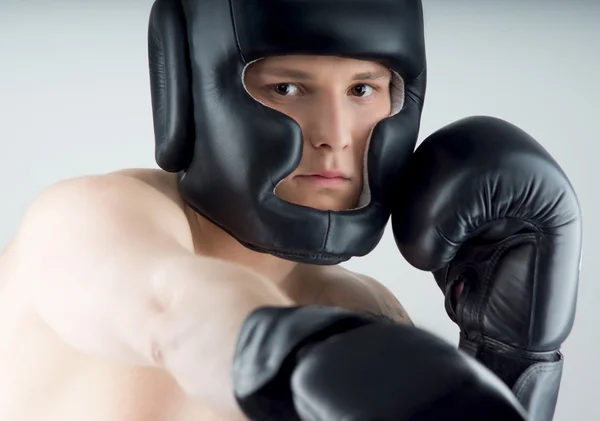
(124, 245)
(108, 273)
(126, 297)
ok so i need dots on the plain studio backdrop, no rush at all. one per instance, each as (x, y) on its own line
(74, 100)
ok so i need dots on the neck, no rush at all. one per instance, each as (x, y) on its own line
(212, 241)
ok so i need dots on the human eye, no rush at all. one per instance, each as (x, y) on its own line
(285, 89)
(362, 90)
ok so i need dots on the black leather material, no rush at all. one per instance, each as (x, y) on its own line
(537, 389)
(324, 364)
(485, 204)
(267, 351)
(231, 151)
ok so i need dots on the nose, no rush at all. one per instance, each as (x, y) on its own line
(329, 126)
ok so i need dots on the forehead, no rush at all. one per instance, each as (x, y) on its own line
(316, 64)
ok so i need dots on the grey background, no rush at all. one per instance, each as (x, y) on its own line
(74, 100)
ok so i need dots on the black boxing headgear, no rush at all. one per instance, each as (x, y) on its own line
(231, 151)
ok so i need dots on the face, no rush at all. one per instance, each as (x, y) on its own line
(336, 102)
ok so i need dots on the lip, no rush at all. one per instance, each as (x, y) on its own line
(328, 174)
(325, 178)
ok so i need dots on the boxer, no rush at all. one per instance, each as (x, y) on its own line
(129, 243)
(124, 295)
(211, 289)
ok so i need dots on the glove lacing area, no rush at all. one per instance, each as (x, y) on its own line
(507, 362)
(476, 267)
(534, 377)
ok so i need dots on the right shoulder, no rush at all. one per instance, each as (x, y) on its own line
(148, 190)
(123, 197)
(163, 182)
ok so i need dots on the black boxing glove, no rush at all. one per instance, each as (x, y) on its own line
(327, 364)
(483, 206)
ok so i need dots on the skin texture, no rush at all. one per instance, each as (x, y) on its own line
(118, 302)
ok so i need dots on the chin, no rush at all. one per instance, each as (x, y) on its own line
(324, 200)
(327, 204)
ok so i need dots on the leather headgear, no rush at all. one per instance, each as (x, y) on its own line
(231, 151)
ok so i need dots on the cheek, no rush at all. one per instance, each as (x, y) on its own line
(367, 119)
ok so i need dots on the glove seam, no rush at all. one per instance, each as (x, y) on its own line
(529, 375)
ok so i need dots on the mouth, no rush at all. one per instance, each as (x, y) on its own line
(325, 178)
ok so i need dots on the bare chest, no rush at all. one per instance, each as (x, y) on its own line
(45, 379)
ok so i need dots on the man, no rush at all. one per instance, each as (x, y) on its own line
(111, 243)
(140, 292)
(102, 263)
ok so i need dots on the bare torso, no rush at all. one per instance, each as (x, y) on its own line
(43, 378)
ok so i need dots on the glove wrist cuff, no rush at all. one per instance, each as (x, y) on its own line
(538, 387)
(533, 377)
(482, 346)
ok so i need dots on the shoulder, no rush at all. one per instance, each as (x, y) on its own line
(132, 188)
(388, 305)
(127, 195)
(163, 183)
(353, 290)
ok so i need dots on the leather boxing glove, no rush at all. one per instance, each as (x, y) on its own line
(485, 208)
(327, 364)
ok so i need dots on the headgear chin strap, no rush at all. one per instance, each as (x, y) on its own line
(231, 151)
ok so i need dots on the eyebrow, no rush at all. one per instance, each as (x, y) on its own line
(300, 75)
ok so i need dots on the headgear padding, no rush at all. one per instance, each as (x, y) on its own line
(231, 151)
